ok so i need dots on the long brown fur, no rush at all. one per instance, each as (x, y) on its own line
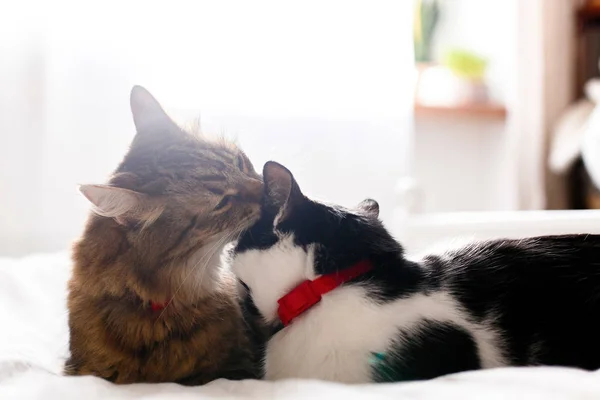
(156, 236)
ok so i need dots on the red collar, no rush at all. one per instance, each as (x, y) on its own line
(157, 306)
(309, 293)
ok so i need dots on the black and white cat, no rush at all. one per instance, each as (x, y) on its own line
(356, 310)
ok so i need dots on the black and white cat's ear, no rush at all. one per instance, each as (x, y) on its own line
(370, 207)
(148, 115)
(123, 205)
(281, 190)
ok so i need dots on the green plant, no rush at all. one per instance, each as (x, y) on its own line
(427, 14)
(465, 64)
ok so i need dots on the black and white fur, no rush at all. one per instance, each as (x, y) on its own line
(500, 303)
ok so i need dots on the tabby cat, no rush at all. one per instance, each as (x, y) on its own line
(345, 304)
(148, 299)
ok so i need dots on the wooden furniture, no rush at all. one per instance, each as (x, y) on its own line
(587, 43)
(488, 110)
(479, 110)
(583, 193)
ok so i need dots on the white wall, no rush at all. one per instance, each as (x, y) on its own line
(461, 164)
(467, 163)
(321, 86)
(487, 27)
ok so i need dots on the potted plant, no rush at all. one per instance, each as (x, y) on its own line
(469, 69)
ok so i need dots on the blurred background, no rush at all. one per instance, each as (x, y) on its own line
(428, 106)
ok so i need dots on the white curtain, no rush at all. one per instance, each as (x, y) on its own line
(324, 87)
(545, 77)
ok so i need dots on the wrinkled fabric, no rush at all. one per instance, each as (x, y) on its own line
(34, 345)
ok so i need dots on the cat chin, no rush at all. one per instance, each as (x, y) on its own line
(270, 273)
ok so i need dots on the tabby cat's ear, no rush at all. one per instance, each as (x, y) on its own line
(281, 190)
(369, 207)
(123, 205)
(148, 115)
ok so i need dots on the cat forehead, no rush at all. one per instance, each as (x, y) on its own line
(202, 149)
(181, 155)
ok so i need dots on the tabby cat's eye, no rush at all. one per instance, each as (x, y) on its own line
(225, 201)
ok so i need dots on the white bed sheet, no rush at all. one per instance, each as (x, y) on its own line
(34, 344)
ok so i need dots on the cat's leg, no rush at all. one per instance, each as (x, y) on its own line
(427, 350)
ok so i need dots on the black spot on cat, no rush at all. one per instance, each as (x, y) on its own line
(429, 350)
(542, 293)
(256, 330)
(259, 236)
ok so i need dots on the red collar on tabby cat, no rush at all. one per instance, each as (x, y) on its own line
(156, 235)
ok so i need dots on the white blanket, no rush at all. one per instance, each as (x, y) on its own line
(34, 344)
